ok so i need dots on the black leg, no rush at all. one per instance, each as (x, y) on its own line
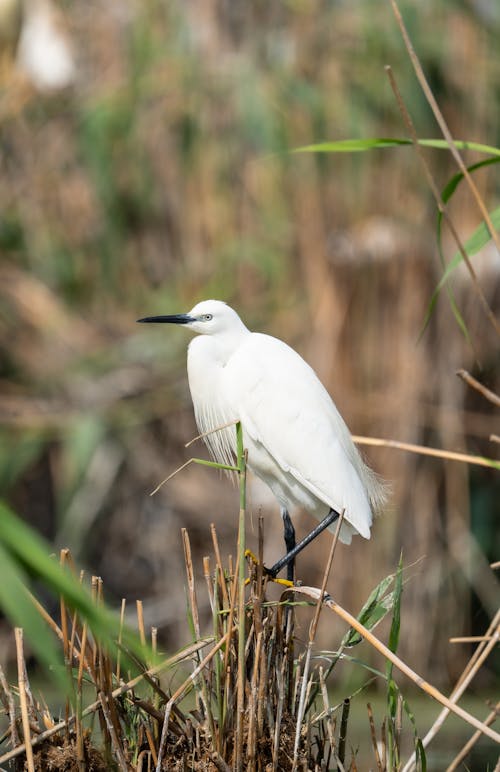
(290, 543)
(292, 554)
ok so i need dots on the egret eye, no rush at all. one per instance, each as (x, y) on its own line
(207, 317)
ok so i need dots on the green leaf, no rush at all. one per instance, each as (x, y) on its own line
(396, 610)
(372, 143)
(29, 555)
(18, 607)
(474, 243)
(446, 195)
(378, 604)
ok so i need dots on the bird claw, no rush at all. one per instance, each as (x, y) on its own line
(271, 575)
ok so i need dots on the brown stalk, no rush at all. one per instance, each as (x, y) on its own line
(449, 455)
(193, 602)
(475, 384)
(120, 635)
(343, 729)
(140, 759)
(215, 542)
(471, 669)
(437, 196)
(115, 743)
(208, 581)
(140, 621)
(182, 688)
(473, 740)
(442, 123)
(189, 651)
(374, 737)
(471, 638)
(10, 709)
(313, 592)
(232, 606)
(22, 678)
(151, 744)
(312, 636)
(326, 708)
(252, 706)
(211, 431)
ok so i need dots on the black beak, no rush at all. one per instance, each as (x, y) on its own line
(172, 319)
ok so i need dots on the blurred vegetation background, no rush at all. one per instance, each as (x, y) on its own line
(147, 169)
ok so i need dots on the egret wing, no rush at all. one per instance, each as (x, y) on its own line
(283, 406)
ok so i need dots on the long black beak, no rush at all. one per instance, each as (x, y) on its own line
(172, 319)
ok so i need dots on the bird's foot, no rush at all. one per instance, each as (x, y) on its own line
(269, 572)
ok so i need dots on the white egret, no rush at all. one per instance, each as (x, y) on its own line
(296, 439)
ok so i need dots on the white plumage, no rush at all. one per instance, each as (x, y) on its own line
(296, 439)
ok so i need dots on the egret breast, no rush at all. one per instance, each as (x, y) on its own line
(205, 374)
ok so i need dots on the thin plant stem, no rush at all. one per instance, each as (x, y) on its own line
(475, 384)
(241, 600)
(21, 675)
(314, 592)
(186, 653)
(442, 123)
(464, 752)
(449, 455)
(473, 666)
(312, 636)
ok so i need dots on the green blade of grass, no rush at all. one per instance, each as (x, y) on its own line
(377, 605)
(373, 143)
(392, 688)
(446, 195)
(18, 607)
(474, 243)
(30, 555)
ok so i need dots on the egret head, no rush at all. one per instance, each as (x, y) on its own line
(210, 317)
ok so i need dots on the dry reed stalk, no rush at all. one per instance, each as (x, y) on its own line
(279, 683)
(471, 639)
(449, 139)
(193, 604)
(23, 700)
(10, 709)
(330, 728)
(343, 730)
(80, 748)
(208, 581)
(222, 584)
(448, 455)
(383, 742)
(63, 555)
(189, 651)
(111, 727)
(475, 384)
(472, 741)
(471, 669)
(182, 688)
(313, 592)
(252, 706)
(140, 759)
(151, 744)
(373, 736)
(312, 635)
(239, 579)
(46, 616)
(140, 621)
(120, 636)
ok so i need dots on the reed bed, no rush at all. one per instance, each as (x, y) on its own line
(247, 694)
